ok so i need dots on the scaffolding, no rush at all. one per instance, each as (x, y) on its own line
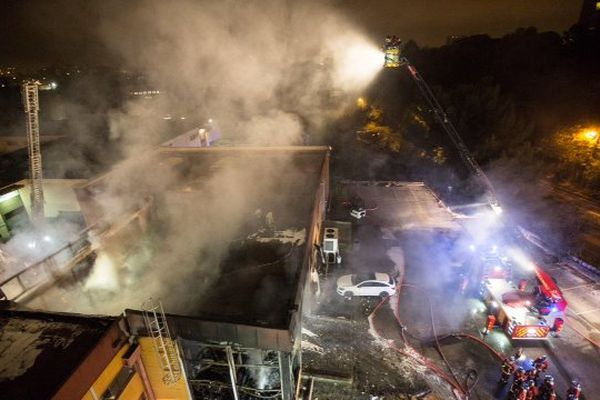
(164, 346)
(31, 104)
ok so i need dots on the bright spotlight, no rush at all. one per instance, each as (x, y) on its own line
(31, 245)
(472, 247)
(47, 238)
(496, 208)
(356, 61)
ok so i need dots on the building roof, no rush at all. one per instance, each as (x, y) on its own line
(40, 351)
(228, 233)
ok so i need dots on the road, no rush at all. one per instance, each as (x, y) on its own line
(589, 236)
(408, 230)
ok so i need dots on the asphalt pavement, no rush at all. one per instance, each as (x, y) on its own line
(405, 232)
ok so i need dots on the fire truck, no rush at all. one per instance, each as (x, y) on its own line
(529, 309)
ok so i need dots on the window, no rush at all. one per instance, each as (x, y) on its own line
(118, 384)
(362, 277)
(378, 284)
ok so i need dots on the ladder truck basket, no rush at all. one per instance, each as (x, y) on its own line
(392, 57)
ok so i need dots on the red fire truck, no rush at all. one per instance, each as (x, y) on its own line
(530, 309)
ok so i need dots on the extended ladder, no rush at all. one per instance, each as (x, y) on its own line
(31, 104)
(165, 347)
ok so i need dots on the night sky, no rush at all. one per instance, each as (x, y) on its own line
(38, 32)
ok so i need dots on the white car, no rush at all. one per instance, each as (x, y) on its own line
(358, 213)
(366, 284)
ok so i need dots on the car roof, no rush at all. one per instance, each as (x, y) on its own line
(369, 276)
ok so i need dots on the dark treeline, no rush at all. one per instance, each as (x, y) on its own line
(519, 97)
(527, 105)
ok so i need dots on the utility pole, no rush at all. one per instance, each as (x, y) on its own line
(31, 104)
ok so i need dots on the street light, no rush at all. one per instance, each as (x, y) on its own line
(361, 103)
(592, 136)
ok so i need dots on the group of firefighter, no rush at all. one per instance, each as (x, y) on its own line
(528, 384)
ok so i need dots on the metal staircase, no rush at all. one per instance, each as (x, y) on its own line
(165, 347)
(31, 104)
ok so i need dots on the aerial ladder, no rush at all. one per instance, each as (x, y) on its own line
(394, 59)
(31, 104)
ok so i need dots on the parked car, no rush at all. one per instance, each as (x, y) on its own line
(358, 213)
(366, 284)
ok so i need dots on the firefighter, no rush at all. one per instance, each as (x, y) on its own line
(547, 389)
(519, 375)
(541, 365)
(557, 326)
(574, 391)
(507, 368)
(491, 321)
(532, 390)
(520, 392)
(531, 374)
(523, 285)
(515, 389)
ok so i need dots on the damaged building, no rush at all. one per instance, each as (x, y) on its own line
(210, 252)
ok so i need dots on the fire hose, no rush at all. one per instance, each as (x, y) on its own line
(416, 356)
(466, 390)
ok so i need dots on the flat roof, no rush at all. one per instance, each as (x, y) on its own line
(40, 351)
(397, 205)
(227, 237)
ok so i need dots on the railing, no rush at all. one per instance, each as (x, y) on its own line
(49, 269)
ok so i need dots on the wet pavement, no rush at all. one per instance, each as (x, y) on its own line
(402, 237)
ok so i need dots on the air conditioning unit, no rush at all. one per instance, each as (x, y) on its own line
(330, 247)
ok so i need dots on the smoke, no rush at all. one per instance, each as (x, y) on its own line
(260, 68)
(269, 73)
